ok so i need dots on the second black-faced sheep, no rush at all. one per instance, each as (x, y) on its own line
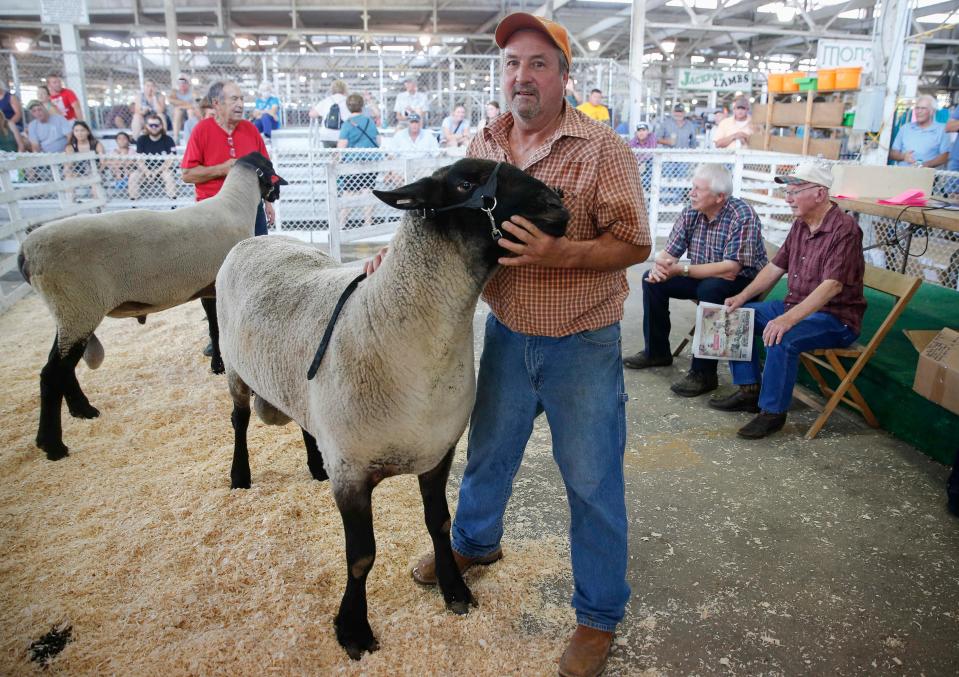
(394, 391)
(129, 264)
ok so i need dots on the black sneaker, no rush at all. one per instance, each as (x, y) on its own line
(643, 361)
(208, 351)
(738, 401)
(695, 384)
(762, 425)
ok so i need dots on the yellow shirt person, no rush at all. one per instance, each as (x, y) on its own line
(594, 107)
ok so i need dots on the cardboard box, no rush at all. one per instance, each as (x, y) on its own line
(872, 181)
(937, 374)
(827, 148)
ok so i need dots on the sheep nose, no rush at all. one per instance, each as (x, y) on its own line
(559, 191)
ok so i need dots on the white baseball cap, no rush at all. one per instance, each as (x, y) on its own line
(809, 172)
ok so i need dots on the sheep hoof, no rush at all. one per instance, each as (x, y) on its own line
(55, 450)
(216, 365)
(241, 484)
(356, 640)
(83, 410)
(461, 607)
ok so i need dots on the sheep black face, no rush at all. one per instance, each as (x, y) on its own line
(270, 181)
(482, 194)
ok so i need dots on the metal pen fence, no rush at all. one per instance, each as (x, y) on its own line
(329, 201)
(113, 79)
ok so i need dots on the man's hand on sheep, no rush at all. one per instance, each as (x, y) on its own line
(270, 214)
(370, 266)
(535, 248)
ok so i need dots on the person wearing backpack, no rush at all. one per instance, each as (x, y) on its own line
(331, 112)
(358, 131)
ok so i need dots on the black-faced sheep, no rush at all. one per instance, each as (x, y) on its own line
(129, 264)
(394, 391)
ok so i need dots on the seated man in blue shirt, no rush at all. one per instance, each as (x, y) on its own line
(953, 126)
(922, 143)
(723, 236)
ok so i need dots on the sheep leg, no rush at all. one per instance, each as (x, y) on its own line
(456, 594)
(77, 403)
(314, 460)
(353, 630)
(240, 470)
(216, 360)
(50, 431)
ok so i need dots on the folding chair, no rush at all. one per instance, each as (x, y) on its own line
(900, 286)
(771, 250)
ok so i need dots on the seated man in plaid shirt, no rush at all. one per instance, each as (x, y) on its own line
(723, 237)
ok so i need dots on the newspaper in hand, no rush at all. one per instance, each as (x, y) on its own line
(723, 335)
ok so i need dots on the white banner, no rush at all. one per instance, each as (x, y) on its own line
(849, 53)
(64, 12)
(714, 81)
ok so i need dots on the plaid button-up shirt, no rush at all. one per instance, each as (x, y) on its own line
(734, 235)
(601, 188)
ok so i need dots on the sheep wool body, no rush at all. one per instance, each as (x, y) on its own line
(135, 262)
(395, 388)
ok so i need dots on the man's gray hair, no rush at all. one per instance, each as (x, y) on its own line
(930, 99)
(719, 178)
(216, 92)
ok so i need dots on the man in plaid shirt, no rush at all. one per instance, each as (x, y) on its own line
(552, 342)
(723, 237)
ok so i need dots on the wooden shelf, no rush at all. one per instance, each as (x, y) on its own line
(804, 113)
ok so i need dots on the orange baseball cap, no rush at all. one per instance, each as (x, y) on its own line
(522, 21)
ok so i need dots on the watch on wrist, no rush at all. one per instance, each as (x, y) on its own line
(685, 270)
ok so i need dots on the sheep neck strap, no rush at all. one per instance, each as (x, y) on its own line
(328, 334)
(484, 199)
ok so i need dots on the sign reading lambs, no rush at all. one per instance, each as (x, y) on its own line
(714, 80)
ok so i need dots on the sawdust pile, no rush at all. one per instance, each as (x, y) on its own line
(136, 541)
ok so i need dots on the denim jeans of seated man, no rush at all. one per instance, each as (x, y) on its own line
(577, 381)
(656, 324)
(819, 330)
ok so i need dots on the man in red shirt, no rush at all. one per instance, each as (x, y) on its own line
(216, 143)
(63, 98)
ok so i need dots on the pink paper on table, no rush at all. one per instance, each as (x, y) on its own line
(908, 198)
(847, 197)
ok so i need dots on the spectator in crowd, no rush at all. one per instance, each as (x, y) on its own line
(490, 113)
(183, 101)
(371, 108)
(119, 115)
(414, 137)
(10, 139)
(47, 133)
(10, 107)
(734, 132)
(823, 307)
(155, 141)
(119, 161)
(723, 239)
(455, 128)
(594, 108)
(676, 131)
(572, 96)
(82, 140)
(644, 138)
(358, 131)
(922, 143)
(215, 144)
(410, 101)
(150, 100)
(711, 124)
(331, 119)
(953, 126)
(266, 110)
(43, 96)
(63, 98)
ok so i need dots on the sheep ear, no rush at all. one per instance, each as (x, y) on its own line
(417, 195)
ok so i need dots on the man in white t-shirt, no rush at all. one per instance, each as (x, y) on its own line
(734, 132)
(410, 101)
(414, 137)
(329, 132)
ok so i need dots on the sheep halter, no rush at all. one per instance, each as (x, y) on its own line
(485, 194)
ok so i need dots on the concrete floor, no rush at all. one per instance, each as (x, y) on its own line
(781, 556)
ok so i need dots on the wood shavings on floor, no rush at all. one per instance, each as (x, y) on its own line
(137, 543)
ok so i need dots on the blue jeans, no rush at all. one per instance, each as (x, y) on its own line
(260, 226)
(577, 381)
(656, 324)
(265, 124)
(819, 330)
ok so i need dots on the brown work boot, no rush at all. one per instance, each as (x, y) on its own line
(424, 572)
(586, 653)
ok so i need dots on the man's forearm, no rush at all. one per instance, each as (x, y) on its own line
(724, 269)
(202, 174)
(763, 281)
(819, 297)
(937, 161)
(896, 155)
(604, 253)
